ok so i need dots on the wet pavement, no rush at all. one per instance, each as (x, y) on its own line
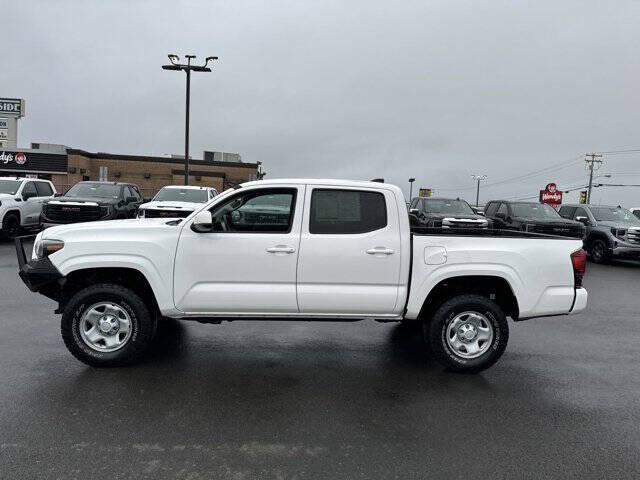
(247, 400)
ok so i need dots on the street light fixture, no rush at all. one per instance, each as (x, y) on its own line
(411, 180)
(187, 68)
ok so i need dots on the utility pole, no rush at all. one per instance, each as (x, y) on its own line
(411, 180)
(187, 68)
(596, 158)
(478, 178)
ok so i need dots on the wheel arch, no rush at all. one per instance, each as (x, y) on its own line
(598, 235)
(15, 211)
(128, 277)
(493, 287)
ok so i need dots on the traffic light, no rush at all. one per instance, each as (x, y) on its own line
(583, 196)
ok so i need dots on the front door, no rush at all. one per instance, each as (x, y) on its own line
(247, 264)
(350, 253)
(32, 204)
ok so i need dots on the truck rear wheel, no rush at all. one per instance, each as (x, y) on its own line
(107, 325)
(468, 333)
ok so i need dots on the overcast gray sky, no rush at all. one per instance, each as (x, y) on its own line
(436, 90)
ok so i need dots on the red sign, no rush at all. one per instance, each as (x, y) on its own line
(551, 195)
(21, 158)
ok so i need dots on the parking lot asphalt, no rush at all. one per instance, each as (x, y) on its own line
(247, 400)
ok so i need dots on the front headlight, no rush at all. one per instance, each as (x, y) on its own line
(44, 248)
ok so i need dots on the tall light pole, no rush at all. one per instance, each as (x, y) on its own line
(478, 178)
(411, 180)
(187, 68)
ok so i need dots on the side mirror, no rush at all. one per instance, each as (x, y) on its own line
(57, 194)
(584, 220)
(501, 216)
(132, 199)
(414, 211)
(203, 222)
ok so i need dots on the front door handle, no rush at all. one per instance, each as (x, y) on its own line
(380, 251)
(281, 249)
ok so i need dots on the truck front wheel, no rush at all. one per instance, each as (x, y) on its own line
(468, 333)
(107, 325)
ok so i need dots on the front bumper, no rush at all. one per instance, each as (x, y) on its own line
(38, 275)
(625, 251)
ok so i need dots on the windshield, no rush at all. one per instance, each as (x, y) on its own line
(9, 186)
(181, 195)
(99, 190)
(613, 214)
(534, 210)
(447, 206)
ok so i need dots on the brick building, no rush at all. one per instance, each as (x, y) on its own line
(66, 166)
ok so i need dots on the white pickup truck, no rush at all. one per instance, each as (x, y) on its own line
(300, 250)
(21, 202)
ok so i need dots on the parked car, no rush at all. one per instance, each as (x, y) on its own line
(532, 217)
(446, 213)
(91, 201)
(176, 201)
(21, 203)
(611, 231)
(300, 250)
(635, 211)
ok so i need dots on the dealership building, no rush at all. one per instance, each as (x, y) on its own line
(65, 166)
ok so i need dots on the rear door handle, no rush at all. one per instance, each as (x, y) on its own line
(281, 249)
(380, 251)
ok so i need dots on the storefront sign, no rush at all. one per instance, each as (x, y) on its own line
(551, 195)
(12, 106)
(4, 134)
(32, 162)
(424, 192)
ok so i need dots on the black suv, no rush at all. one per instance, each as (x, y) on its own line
(531, 217)
(446, 213)
(91, 201)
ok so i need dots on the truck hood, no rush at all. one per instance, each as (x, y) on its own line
(169, 205)
(59, 232)
(548, 221)
(80, 200)
(610, 223)
(6, 196)
(462, 216)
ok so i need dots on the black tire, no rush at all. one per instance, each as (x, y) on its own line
(10, 225)
(598, 251)
(435, 333)
(143, 325)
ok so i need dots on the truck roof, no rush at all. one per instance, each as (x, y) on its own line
(187, 187)
(322, 181)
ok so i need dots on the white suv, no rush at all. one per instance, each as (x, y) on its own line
(21, 203)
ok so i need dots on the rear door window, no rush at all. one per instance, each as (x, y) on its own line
(44, 189)
(336, 211)
(567, 212)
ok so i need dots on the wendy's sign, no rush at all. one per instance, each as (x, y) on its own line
(551, 195)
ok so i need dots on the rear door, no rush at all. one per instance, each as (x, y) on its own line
(350, 256)
(247, 265)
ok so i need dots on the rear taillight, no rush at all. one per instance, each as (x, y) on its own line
(579, 262)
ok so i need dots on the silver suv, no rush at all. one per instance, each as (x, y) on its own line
(611, 231)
